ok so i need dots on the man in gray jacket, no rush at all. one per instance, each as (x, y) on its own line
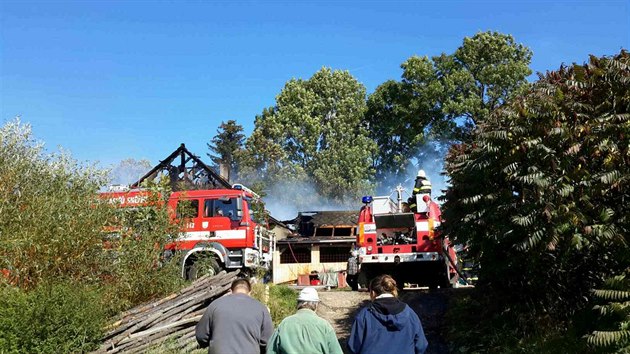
(235, 323)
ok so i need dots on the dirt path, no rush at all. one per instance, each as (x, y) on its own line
(340, 307)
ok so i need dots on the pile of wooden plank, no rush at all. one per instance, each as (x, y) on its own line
(171, 319)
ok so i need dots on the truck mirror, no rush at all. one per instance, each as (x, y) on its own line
(239, 206)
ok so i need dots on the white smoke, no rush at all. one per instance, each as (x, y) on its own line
(284, 200)
(430, 158)
(129, 171)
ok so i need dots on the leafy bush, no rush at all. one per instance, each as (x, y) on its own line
(55, 250)
(52, 318)
(541, 196)
(282, 302)
(542, 193)
(135, 271)
(50, 225)
(477, 324)
(614, 325)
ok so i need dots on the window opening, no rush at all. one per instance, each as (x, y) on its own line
(324, 231)
(299, 255)
(221, 207)
(334, 254)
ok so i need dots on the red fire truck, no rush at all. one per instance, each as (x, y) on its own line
(219, 229)
(404, 243)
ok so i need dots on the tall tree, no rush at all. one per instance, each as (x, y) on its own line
(263, 161)
(403, 116)
(486, 70)
(314, 132)
(226, 145)
(444, 97)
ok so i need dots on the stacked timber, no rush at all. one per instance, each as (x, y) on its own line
(171, 319)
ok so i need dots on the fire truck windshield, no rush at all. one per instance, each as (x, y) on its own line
(221, 207)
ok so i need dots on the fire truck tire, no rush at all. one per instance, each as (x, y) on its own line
(201, 267)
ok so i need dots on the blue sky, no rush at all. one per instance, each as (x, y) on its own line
(109, 80)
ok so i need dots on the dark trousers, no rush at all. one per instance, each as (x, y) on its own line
(352, 281)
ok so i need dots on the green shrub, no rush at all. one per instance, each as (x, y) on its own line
(52, 318)
(136, 272)
(52, 226)
(282, 302)
(613, 325)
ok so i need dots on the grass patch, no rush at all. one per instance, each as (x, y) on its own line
(281, 300)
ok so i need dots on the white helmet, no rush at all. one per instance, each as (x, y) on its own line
(421, 174)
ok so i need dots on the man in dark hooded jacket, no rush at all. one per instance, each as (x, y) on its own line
(387, 325)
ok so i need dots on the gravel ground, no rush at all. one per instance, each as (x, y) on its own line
(339, 308)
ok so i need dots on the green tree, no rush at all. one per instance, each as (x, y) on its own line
(443, 98)
(486, 70)
(226, 145)
(314, 132)
(400, 122)
(263, 161)
(541, 192)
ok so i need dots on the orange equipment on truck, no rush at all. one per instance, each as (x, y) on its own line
(405, 243)
(219, 229)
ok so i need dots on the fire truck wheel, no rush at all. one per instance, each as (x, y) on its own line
(204, 266)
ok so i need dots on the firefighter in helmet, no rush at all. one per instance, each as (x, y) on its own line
(421, 186)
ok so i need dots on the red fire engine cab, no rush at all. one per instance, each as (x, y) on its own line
(404, 243)
(220, 231)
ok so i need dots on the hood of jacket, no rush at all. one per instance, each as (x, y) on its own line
(390, 311)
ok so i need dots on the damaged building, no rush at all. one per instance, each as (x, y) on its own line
(320, 242)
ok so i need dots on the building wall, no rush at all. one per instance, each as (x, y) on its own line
(286, 272)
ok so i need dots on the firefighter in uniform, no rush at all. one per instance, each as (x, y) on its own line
(422, 186)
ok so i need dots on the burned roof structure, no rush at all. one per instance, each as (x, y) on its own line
(325, 224)
(186, 171)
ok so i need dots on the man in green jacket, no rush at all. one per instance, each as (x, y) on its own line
(304, 332)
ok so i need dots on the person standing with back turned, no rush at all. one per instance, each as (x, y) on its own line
(235, 323)
(304, 332)
(387, 325)
(352, 271)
